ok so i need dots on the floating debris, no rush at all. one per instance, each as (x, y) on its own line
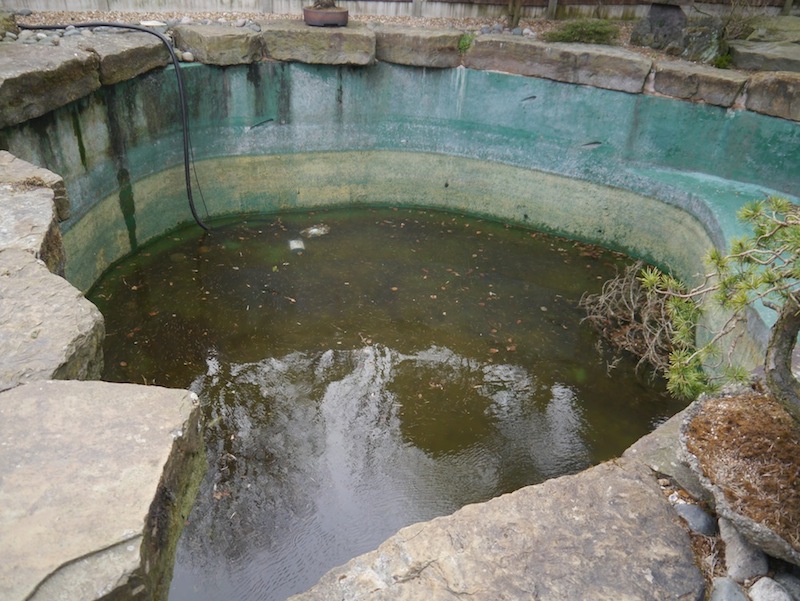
(297, 245)
(315, 231)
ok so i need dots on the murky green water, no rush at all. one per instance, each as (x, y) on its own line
(402, 365)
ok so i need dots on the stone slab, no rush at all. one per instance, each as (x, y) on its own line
(122, 56)
(81, 464)
(699, 83)
(294, 41)
(47, 328)
(14, 170)
(35, 80)
(600, 66)
(219, 44)
(401, 45)
(775, 29)
(28, 223)
(765, 56)
(776, 94)
(604, 534)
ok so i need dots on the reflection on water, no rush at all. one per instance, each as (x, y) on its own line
(404, 364)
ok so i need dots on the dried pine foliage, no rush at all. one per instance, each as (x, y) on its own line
(749, 446)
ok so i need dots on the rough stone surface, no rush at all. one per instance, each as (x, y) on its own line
(661, 29)
(790, 583)
(47, 328)
(743, 560)
(8, 22)
(766, 589)
(28, 223)
(659, 451)
(295, 41)
(765, 56)
(123, 56)
(83, 468)
(698, 83)
(776, 94)
(18, 172)
(725, 589)
(594, 65)
(775, 29)
(418, 47)
(218, 44)
(606, 533)
(35, 80)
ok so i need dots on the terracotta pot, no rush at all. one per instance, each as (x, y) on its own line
(325, 17)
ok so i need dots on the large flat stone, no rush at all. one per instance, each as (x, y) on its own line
(219, 44)
(35, 79)
(47, 328)
(402, 45)
(122, 56)
(14, 170)
(604, 534)
(295, 41)
(28, 222)
(93, 477)
(689, 81)
(765, 56)
(594, 65)
(776, 94)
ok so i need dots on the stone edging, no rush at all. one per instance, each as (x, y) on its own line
(79, 65)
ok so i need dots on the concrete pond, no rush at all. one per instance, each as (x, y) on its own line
(593, 143)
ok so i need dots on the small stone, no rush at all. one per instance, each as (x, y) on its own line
(698, 520)
(186, 20)
(187, 57)
(10, 35)
(497, 28)
(766, 589)
(744, 561)
(240, 22)
(41, 36)
(24, 12)
(725, 589)
(790, 583)
(516, 31)
(25, 34)
(172, 23)
(255, 27)
(527, 31)
(72, 32)
(486, 29)
(221, 20)
(86, 32)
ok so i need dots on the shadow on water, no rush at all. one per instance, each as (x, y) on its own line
(403, 365)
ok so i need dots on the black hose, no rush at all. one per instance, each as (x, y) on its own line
(181, 96)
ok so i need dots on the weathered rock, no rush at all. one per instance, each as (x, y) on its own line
(667, 28)
(47, 328)
(661, 29)
(766, 589)
(35, 80)
(295, 41)
(93, 478)
(776, 94)
(659, 451)
(725, 589)
(8, 22)
(698, 520)
(765, 56)
(15, 171)
(606, 533)
(790, 583)
(418, 47)
(600, 66)
(697, 82)
(743, 560)
(775, 29)
(218, 44)
(123, 56)
(28, 223)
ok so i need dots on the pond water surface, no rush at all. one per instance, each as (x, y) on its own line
(399, 366)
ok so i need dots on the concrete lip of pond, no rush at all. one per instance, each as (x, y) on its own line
(570, 139)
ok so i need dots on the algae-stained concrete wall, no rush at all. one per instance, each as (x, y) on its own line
(271, 136)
